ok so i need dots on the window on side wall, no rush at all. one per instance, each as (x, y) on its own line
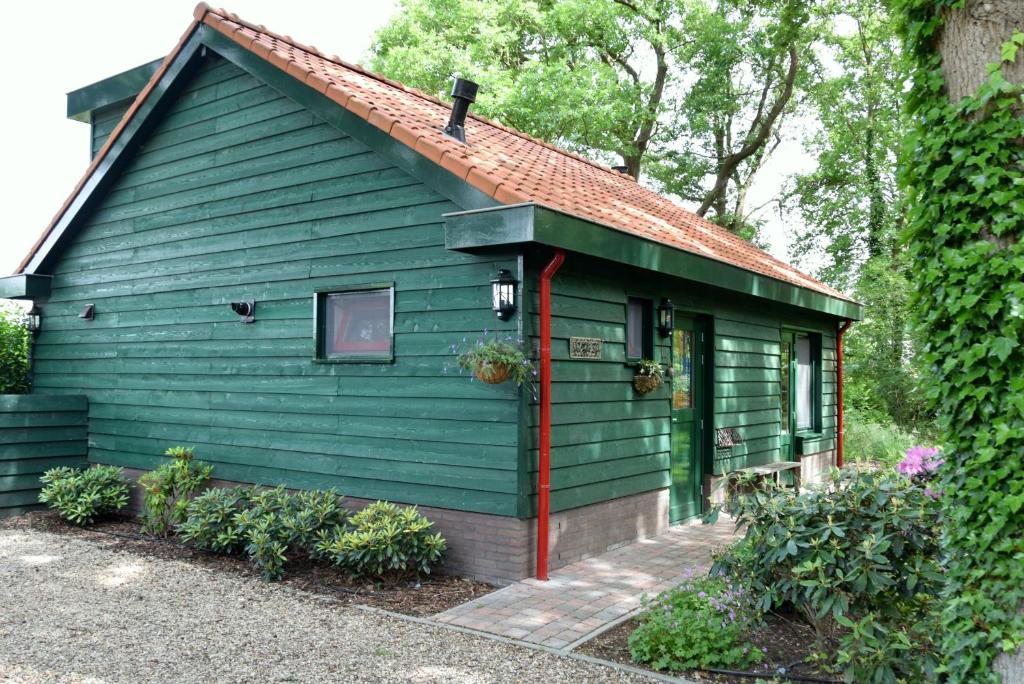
(806, 390)
(639, 329)
(355, 324)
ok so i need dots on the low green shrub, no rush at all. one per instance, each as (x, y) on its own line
(858, 557)
(210, 520)
(269, 526)
(384, 541)
(168, 489)
(82, 496)
(699, 624)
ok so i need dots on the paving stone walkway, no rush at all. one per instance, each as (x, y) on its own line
(581, 599)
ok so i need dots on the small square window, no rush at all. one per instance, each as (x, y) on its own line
(355, 324)
(639, 330)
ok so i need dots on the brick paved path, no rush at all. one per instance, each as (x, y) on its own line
(580, 599)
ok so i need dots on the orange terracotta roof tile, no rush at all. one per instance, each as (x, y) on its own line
(503, 163)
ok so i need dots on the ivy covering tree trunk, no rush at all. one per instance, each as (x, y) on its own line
(962, 172)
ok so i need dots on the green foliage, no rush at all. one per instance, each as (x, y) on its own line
(167, 490)
(385, 541)
(498, 352)
(15, 340)
(962, 171)
(881, 353)
(848, 202)
(210, 520)
(699, 624)
(269, 526)
(622, 81)
(857, 557)
(650, 368)
(868, 439)
(82, 496)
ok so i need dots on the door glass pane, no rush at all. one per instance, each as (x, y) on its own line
(682, 369)
(358, 324)
(784, 385)
(804, 401)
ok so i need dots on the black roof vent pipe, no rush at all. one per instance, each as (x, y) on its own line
(621, 169)
(463, 94)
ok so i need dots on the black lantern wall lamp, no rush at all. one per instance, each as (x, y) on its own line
(666, 317)
(503, 291)
(34, 319)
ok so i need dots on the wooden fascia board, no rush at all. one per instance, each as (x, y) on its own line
(442, 181)
(531, 223)
(25, 286)
(102, 173)
(127, 84)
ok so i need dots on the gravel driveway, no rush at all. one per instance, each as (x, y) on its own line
(73, 612)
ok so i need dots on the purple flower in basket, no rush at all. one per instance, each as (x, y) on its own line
(920, 460)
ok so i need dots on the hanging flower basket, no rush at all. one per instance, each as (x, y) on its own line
(646, 383)
(649, 376)
(492, 373)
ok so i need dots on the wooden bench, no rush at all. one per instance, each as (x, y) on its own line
(774, 470)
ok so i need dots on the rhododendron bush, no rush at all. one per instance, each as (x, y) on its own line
(857, 556)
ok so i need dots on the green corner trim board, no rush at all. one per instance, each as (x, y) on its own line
(233, 181)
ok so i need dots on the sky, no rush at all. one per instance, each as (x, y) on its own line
(81, 43)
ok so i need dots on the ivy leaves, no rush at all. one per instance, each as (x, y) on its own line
(962, 172)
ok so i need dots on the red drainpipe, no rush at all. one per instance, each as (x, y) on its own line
(544, 474)
(839, 393)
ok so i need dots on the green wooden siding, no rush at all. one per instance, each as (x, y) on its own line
(607, 440)
(104, 122)
(37, 432)
(237, 193)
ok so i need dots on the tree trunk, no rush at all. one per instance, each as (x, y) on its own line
(970, 40)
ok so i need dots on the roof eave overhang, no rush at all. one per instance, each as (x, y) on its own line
(25, 286)
(524, 224)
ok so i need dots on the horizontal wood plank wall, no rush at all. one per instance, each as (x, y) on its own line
(37, 432)
(239, 193)
(607, 440)
(104, 121)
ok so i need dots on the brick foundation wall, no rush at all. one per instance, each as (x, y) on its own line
(500, 549)
(814, 467)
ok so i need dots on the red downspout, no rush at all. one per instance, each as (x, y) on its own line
(544, 474)
(839, 393)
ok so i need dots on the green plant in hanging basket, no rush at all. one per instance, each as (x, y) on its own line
(495, 360)
(649, 376)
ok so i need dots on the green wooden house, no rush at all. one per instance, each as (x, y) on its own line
(273, 253)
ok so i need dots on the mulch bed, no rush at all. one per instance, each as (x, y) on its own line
(789, 645)
(431, 595)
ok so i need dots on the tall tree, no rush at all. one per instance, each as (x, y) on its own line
(689, 94)
(962, 170)
(849, 202)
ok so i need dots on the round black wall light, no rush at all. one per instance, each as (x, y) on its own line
(503, 291)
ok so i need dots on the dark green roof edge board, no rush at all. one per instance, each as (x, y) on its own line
(127, 84)
(25, 286)
(532, 223)
(98, 177)
(444, 182)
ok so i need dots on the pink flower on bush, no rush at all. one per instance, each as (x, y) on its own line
(920, 460)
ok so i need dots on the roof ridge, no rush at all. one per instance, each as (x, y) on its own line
(359, 68)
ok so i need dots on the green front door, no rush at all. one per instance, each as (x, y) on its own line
(687, 422)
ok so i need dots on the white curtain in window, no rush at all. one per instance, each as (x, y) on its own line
(804, 384)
